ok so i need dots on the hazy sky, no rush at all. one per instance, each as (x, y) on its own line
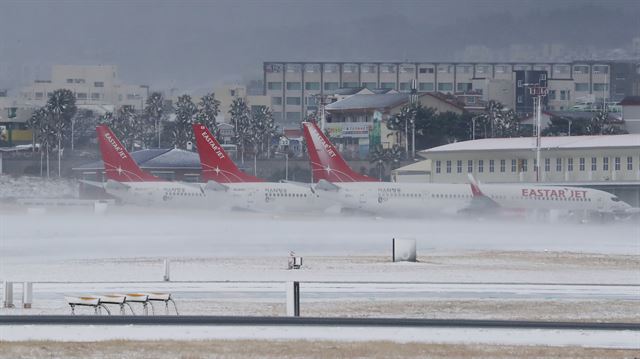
(194, 44)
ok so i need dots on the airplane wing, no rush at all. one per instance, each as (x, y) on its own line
(93, 183)
(327, 186)
(215, 186)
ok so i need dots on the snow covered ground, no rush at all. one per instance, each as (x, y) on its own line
(594, 339)
(513, 269)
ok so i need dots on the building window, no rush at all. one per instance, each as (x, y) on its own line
(445, 86)
(330, 68)
(405, 86)
(480, 166)
(69, 81)
(563, 95)
(368, 69)
(349, 68)
(370, 85)
(552, 94)
(581, 69)
(448, 166)
(273, 68)
(459, 166)
(426, 70)
(605, 163)
(293, 86)
(293, 116)
(470, 166)
(561, 69)
(581, 163)
(616, 164)
(331, 86)
(594, 163)
(600, 87)
(350, 85)
(558, 164)
(463, 69)
(274, 85)
(438, 166)
(293, 100)
(312, 86)
(277, 116)
(425, 86)
(293, 67)
(547, 165)
(407, 69)
(83, 96)
(388, 85)
(500, 69)
(464, 86)
(523, 166)
(39, 95)
(629, 163)
(445, 69)
(600, 69)
(482, 69)
(98, 84)
(513, 165)
(491, 165)
(276, 101)
(582, 87)
(570, 164)
(312, 68)
(503, 165)
(387, 68)
(95, 96)
(519, 99)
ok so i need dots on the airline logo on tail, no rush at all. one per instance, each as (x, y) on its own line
(119, 150)
(216, 149)
(216, 164)
(326, 162)
(118, 164)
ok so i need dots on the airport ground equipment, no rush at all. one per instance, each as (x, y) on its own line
(162, 297)
(86, 301)
(403, 250)
(294, 262)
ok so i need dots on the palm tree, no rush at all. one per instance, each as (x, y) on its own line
(208, 110)
(181, 127)
(241, 121)
(155, 111)
(62, 107)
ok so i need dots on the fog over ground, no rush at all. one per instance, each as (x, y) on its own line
(135, 232)
(192, 45)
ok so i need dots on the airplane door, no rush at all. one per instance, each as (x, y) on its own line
(251, 198)
(600, 204)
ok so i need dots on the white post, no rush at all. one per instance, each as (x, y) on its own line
(8, 295)
(293, 299)
(167, 270)
(27, 295)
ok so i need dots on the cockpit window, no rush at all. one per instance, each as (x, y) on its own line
(615, 199)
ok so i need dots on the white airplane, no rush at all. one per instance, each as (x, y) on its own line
(130, 184)
(359, 192)
(248, 192)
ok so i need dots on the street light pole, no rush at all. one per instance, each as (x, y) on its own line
(569, 128)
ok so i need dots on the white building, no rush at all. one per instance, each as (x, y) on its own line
(91, 84)
(610, 163)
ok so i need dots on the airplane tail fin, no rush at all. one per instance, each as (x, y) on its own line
(326, 162)
(118, 163)
(216, 164)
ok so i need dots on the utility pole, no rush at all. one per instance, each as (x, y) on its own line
(538, 91)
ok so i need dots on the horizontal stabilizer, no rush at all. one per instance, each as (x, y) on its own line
(215, 186)
(327, 186)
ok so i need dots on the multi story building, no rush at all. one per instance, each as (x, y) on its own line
(91, 84)
(294, 87)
